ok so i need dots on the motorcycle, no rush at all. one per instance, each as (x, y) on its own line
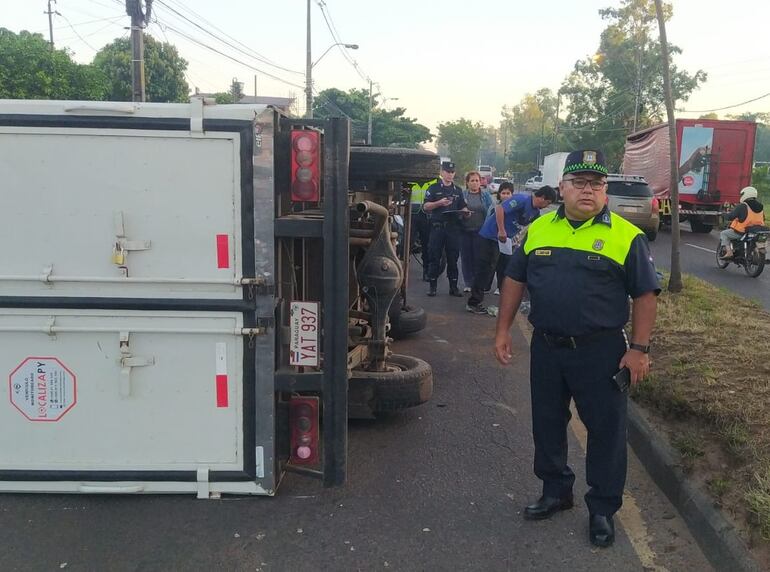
(749, 251)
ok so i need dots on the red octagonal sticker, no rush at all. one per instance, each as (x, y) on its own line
(42, 388)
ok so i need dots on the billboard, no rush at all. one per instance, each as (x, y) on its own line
(697, 142)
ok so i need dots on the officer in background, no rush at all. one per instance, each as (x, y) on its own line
(420, 227)
(444, 204)
(580, 264)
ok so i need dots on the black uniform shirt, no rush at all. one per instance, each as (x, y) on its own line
(580, 279)
(438, 191)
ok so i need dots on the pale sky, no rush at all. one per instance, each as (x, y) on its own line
(442, 60)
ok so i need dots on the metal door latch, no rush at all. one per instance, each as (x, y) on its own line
(122, 245)
(128, 361)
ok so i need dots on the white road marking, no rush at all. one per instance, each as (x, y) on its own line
(711, 250)
(629, 515)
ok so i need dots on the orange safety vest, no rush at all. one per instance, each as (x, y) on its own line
(752, 219)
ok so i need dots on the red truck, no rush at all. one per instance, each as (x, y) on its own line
(715, 160)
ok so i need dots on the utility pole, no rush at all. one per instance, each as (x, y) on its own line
(255, 86)
(138, 22)
(50, 21)
(371, 104)
(308, 72)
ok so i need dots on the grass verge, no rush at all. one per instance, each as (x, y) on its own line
(710, 390)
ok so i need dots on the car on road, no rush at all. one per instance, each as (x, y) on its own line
(534, 183)
(495, 184)
(632, 198)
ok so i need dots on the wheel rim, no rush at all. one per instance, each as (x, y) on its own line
(720, 262)
(754, 264)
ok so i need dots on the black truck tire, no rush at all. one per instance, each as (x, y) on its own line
(405, 321)
(392, 164)
(408, 382)
(700, 226)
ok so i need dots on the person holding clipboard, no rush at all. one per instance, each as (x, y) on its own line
(445, 206)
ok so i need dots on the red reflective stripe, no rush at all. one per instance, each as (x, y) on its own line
(222, 400)
(223, 251)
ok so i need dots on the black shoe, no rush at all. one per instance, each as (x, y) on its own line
(601, 530)
(432, 288)
(546, 507)
(477, 309)
(454, 290)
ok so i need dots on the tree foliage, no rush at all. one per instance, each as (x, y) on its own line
(164, 70)
(31, 70)
(224, 97)
(531, 125)
(390, 128)
(462, 140)
(602, 91)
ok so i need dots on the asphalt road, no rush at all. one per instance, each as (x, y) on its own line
(697, 254)
(439, 487)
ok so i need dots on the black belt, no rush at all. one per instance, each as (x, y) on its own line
(574, 342)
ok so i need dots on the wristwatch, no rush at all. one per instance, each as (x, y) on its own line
(640, 347)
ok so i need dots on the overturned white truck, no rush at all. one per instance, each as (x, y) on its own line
(186, 290)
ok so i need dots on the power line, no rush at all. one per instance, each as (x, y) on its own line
(335, 36)
(228, 56)
(251, 53)
(76, 32)
(256, 55)
(726, 107)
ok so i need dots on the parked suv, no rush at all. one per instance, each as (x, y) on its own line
(632, 198)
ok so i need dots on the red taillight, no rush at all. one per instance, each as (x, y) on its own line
(305, 166)
(303, 420)
(655, 206)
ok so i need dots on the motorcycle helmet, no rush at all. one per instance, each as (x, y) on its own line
(748, 193)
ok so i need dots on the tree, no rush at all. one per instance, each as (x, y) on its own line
(236, 90)
(224, 97)
(164, 70)
(390, 128)
(531, 125)
(462, 140)
(621, 87)
(31, 70)
(675, 280)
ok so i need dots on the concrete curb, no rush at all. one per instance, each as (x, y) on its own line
(717, 538)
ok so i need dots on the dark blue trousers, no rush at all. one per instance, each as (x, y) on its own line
(584, 374)
(470, 249)
(444, 238)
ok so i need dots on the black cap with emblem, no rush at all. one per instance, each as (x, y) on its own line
(447, 166)
(585, 161)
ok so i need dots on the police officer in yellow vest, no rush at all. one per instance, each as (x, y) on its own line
(580, 264)
(750, 212)
(420, 225)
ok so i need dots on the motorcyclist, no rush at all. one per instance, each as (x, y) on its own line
(749, 212)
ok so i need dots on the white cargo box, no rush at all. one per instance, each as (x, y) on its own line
(134, 241)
